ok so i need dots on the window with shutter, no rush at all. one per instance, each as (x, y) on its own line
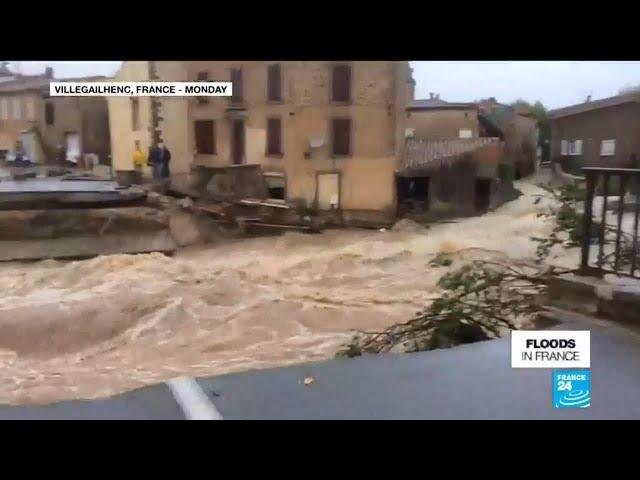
(341, 83)
(575, 147)
(341, 136)
(203, 77)
(274, 137)
(236, 80)
(135, 114)
(205, 137)
(49, 113)
(608, 148)
(274, 83)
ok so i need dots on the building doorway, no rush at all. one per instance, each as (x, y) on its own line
(276, 186)
(482, 194)
(237, 142)
(413, 194)
(328, 191)
(73, 149)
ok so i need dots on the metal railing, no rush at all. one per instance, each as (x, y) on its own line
(617, 241)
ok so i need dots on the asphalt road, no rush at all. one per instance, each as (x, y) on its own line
(467, 382)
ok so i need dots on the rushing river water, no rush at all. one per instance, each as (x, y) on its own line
(84, 329)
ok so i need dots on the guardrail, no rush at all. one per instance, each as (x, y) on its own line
(617, 246)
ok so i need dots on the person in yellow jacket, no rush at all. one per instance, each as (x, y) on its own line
(139, 159)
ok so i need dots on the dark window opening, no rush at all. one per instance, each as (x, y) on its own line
(275, 186)
(341, 136)
(237, 142)
(413, 194)
(203, 77)
(135, 114)
(205, 137)
(274, 83)
(482, 194)
(49, 113)
(341, 83)
(236, 80)
(274, 137)
(276, 192)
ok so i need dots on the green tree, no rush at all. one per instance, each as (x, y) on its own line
(540, 113)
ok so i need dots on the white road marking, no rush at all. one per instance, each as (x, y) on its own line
(194, 402)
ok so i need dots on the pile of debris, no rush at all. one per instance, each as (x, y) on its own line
(239, 195)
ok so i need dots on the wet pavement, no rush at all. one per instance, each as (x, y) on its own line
(467, 382)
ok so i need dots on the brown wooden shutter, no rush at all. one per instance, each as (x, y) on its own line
(135, 114)
(274, 137)
(341, 134)
(341, 83)
(274, 83)
(49, 116)
(236, 79)
(203, 77)
(205, 137)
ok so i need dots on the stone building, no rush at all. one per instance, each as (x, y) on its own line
(51, 129)
(436, 119)
(332, 132)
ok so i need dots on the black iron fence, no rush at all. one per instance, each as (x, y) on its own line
(613, 230)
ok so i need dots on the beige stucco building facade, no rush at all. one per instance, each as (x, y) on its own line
(25, 106)
(354, 172)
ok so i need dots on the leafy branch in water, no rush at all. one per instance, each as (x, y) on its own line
(568, 229)
(480, 301)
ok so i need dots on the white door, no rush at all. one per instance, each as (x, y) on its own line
(73, 147)
(328, 191)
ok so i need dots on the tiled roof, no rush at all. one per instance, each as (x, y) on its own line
(594, 105)
(432, 154)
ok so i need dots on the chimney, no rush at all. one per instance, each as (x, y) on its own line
(431, 95)
(437, 96)
(48, 72)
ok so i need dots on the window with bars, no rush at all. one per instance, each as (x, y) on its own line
(205, 137)
(341, 136)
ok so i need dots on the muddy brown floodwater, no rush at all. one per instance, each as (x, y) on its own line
(85, 329)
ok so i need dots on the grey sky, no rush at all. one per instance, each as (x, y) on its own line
(556, 84)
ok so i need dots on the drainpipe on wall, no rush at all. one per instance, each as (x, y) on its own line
(156, 134)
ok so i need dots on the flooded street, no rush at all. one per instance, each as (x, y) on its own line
(85, 329)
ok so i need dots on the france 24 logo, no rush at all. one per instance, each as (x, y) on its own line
(571, 388)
